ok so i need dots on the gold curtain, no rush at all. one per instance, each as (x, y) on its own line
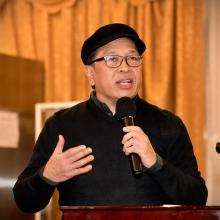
(53, 32)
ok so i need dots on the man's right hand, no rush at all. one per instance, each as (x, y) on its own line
(64, 165)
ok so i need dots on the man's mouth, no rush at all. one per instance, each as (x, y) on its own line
(125, 81)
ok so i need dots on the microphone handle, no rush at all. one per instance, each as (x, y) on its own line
(134, 159)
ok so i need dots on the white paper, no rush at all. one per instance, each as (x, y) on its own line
(9, 129)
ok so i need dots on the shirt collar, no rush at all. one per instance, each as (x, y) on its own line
(100, 105)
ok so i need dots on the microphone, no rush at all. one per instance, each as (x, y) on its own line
(126, 110)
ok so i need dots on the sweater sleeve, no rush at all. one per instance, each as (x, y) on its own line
(31, 192)
(179, 177)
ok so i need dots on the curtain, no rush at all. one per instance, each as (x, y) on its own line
(173, 30)
(53, 32)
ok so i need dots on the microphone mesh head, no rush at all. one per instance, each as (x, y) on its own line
(125, 106)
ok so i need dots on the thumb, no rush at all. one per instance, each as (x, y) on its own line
(60, 144)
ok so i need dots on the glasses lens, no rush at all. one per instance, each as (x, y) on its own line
(113, 61)
(134, 60)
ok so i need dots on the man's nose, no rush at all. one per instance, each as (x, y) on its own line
(124, 65)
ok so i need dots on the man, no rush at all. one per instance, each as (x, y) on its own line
(83, 150)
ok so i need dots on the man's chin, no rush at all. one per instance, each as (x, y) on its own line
(130, 95)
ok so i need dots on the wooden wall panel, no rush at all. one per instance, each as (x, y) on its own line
(21, 86)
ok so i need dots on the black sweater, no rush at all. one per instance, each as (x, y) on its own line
(111, 182)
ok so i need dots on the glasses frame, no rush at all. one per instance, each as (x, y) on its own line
(105, 58)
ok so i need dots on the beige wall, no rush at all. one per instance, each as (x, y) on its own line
(212, 133)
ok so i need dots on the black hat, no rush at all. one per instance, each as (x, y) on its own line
(108, 33)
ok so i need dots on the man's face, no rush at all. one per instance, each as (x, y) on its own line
(114, 83)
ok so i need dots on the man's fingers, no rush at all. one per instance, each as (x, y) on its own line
(131, 128)
(75, 153)
(82, 162)
(127, 137)
(81, 170)
(60, 144)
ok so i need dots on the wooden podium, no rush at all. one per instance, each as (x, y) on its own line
(141, 212)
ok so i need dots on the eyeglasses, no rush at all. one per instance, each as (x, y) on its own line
(114, 61)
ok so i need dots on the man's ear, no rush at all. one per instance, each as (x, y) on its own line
(89, 71)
